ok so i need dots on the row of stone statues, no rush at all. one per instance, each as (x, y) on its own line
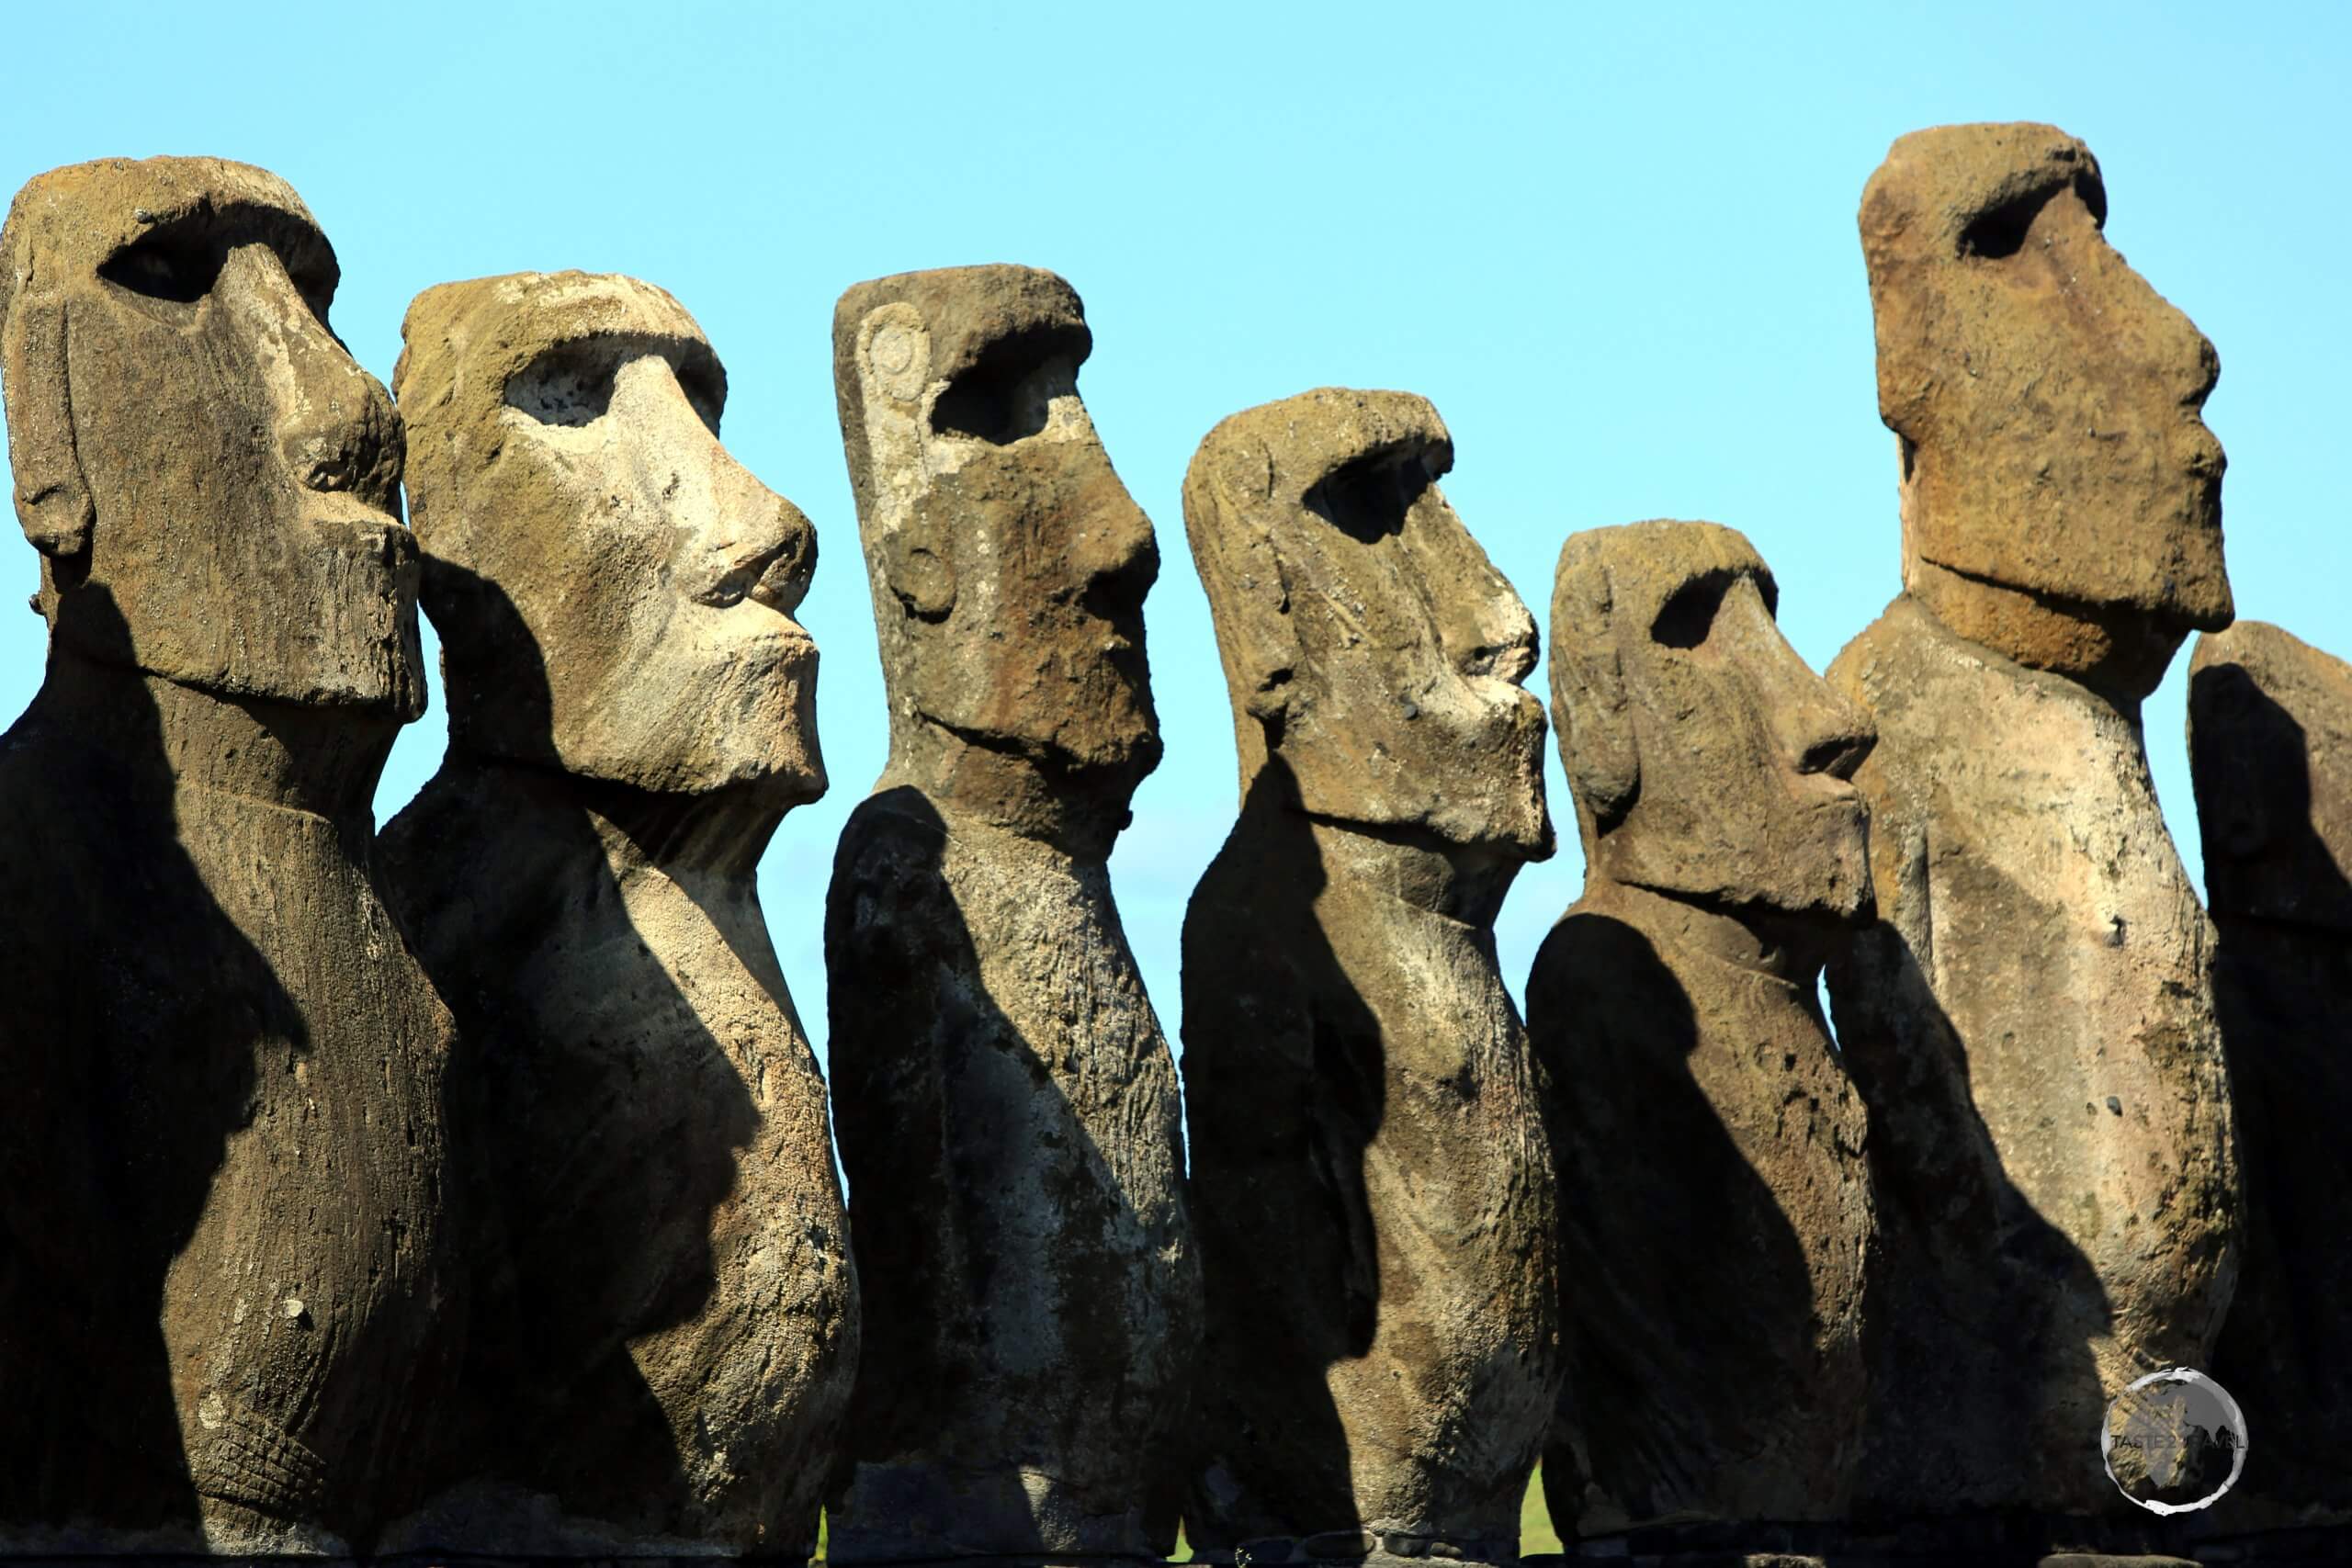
(469, 1187)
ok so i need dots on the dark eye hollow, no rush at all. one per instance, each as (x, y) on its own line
(1007, 393)
(1689, 614)
(2002, 231)
(178, 270)
(1367, 499)
(570, 385)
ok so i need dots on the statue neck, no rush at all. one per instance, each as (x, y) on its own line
(2119, 652)
(322, 761)
(1461, 882)
(1077, 813)
(1787, 949)
(710, 837)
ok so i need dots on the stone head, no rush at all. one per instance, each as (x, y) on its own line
(613, 590)
(1369, 645)
(1707, 761)
(1009, 563)
(2270, 754)
(2045, 399)
(212, 482)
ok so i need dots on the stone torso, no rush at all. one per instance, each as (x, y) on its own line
(231, 1242)
(667, 1307)
(2032, 1025)
(1009, 1123)
(1375, 1203)
(1715, 1235)
(2286, 1349)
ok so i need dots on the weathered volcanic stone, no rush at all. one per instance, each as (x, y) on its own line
(666, 1309)
(221, 1231)
(2270, 749)
(1008, 1103)
(1675, 1008)
(665, 1326)
(1372, 1186)
(2031, 1020)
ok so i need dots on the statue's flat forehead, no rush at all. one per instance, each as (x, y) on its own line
(83, 214)
(1279, 452)
(1936, 182)
(471, 337)
(968, 310)
(1635, 567)
(548, 309)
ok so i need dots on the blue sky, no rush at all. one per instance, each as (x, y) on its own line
(1615, 245)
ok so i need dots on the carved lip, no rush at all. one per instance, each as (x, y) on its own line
(348, 508)
(789, 639)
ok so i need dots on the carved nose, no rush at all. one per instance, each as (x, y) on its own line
(768, 547)
(784, 576)
(1112, 550)
(335, 424)
(1819, 731)
(1497, 640)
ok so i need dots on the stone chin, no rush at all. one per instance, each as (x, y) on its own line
(1495, 803)
(1515, 820)
(717, 716)
(353, 646)
(1836, 883)
(1125, 741)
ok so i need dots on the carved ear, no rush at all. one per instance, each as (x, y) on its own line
(1588, 703)
(1223, 498)
(53, 498)
(894, 367)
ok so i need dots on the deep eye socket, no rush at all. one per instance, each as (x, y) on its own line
(1689, 613)
(316, 286)
(705, 385)
(2000, 231)
(1007, 394)
(166, 268)
(569, 385)
(1369, 499)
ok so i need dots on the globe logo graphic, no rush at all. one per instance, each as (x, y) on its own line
(2174, 1441)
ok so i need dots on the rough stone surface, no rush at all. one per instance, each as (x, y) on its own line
(665, 1312)
(1008, 1103)
(2031, 1020)
(221, 1159)
(1675, 1008)
(2061, 498)
(2270, 752)
(1372, 1186)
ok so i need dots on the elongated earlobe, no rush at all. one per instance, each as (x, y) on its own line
(894, 362)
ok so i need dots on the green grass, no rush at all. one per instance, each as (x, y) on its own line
(1536, 1532)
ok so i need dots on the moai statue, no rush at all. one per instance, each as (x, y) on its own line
(665, 1326)
(2031, 1018)
(1675, 1008)
(2270, 750)
(1008, 1103)
(1372, 1185)
(221, 1153)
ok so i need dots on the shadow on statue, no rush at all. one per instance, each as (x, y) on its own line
(1718, 1266)
(1285, 1081)
(936, 1108)
(583, 1168)
(2283, 996)
(138, 1019)
(1982, 1313)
